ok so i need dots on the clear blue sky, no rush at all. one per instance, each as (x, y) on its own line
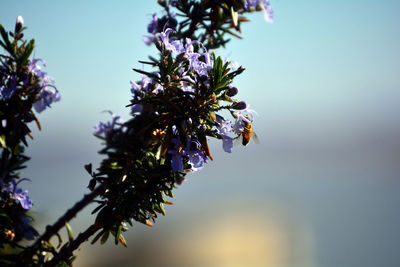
(324, 78)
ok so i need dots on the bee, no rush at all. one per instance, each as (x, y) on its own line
(248, 133)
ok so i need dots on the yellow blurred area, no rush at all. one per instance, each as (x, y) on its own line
(237, 241)
(230, 239)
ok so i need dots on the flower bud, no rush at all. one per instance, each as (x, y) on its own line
(152, 27)
(232, 91)
(239, 105)
(19, 24)
(174, 2)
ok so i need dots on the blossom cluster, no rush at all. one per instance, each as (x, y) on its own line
(193, 71)
(34, 79)
(213, 18)
(27, 80)
(174, 110)
(18, 194)
(191, 77)
(24, 87)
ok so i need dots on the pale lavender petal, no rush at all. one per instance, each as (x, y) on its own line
(227, 144)
(177, 163)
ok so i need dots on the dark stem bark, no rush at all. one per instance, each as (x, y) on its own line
(66, 252)
(51, 230)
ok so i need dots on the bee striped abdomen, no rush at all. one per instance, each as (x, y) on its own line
(246, 134)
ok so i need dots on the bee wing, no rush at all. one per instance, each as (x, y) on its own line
(238, 140)
(255, 138)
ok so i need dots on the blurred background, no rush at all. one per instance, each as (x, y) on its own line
(322, 187)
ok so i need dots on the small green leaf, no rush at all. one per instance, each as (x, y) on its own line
(63, 264)
(117, 235)
(148, 74)
(69, 231)
(3, 141)
(98, 208)
(6, 40)
(104, 237)
(3, 45)
(162, 209)
(59, 240)
(97, 237)
(28, 51)
(148, 63)
(122, 240)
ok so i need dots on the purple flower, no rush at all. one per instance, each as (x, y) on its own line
(176, 152)
(152, 27)
(264, 4)
(135, 87)
(19, 194)
(164, 36)
(148, 40)
(268, 12)
(47, 94)
(108, 126)
(177, 163)
(47, 97)
(155, 24)
(158, 88)
(192, 152)
(224, 128)
(243, 117)
(227, 143)
(136, 108)
(175, 46)
(195, 155)
(36, 69)
(9, 87)
(143, 85)
(194, 58)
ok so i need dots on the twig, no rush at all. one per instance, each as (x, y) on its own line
(66, 251)
(71, 213)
